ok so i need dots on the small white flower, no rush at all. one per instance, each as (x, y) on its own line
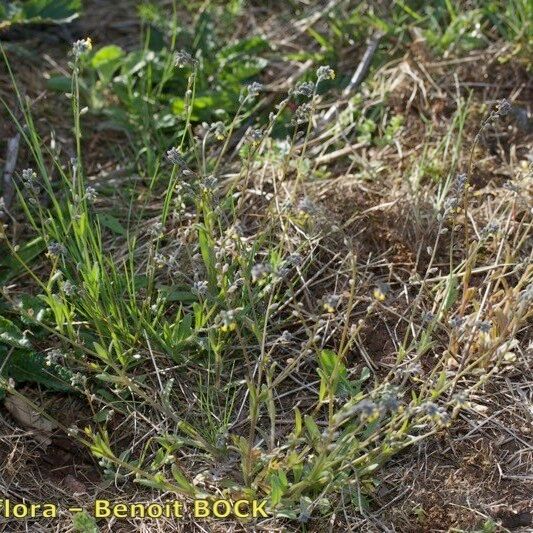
(325, 73)
(81, 47)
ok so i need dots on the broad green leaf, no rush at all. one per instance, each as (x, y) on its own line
(182, 481)
(11, 334)
(106, 54)
(201, 109)
(333, 374)
(250, 46)
(365, 374)
(57, 10)
(36, 309)
(177, 294)
(110, 222)
(23, 366)
(239, 70)
(328, 360)
(60, 84)
(102, 352)
(83, 522)
(106, 61)
(39, 11)
(278, 485)
(10, 266)
(312, 428)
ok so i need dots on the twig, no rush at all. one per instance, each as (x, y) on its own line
(332, 156)
(304, 24)
(11, 162)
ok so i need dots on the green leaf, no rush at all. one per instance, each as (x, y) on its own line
(36, 310)
(451, 294)
(328, 361)
(106, 61)
(208, 256)
(365, 374)
(105, 55)
(369, 469)
(177, 294)
(250, 46)
(184, 328)
(320, 39)
(356, 384)
(10, 266)
(23, 366)
(11, 334)
(110, 222)
(360, 501)
(38, 12)
(333, 374)
(183, 483)
(239, 70)
(57, 10)
(312, 428)
(297, 422)
(278, 485)
(82, 522)
(60, 84)
(102, 352)
(202, 107)
(323, 391)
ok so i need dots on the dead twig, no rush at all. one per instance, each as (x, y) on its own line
(332, 156)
